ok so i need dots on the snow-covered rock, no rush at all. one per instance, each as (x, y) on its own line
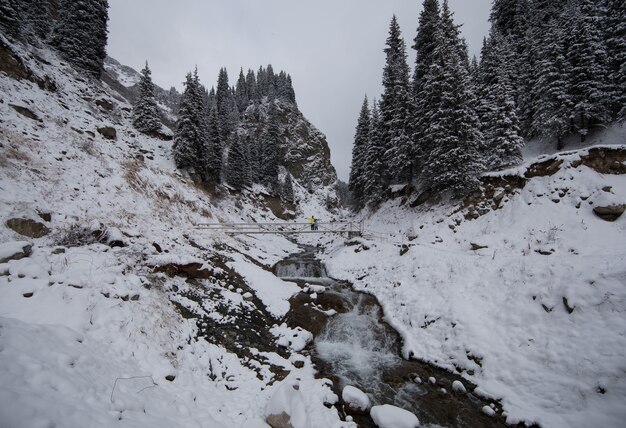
(457, 386)
(388, 416)
(355, 398)
(14, 250)
(294, 338)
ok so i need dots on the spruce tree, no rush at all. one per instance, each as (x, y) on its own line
(241, 93)
(268, 158)
(223, 102)
(358, 172)
(215, 148)
(187, 144)
(615, 36)
(452, 136)
(11, 17)
(588, 71)
(251, 87)
(80, 34)
(373, 180)
(395, 108)
(238, 166)
(145, 110)
(287, 193)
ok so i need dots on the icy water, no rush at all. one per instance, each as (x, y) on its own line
(354, 346)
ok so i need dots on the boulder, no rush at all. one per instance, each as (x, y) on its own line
(108, 132)
(609, 212)
(27, 227)
(387, 416)
(26, 112)
(356, 400)
(279, 421)
(15, 250)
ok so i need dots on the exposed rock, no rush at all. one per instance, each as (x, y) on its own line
(542, 169)
(568, 308)
(14, 67)
(605, 160)
(476, 247)
(189, 270)
(108, 132)
(45, 216)
(610, 212)
(159, 135)
(26, 112)
(27, 227)
(279, 421)
(105, 104)
(170, 378)
(15, 251)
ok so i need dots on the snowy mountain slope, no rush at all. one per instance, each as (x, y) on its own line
(101, 325)
(536, 317)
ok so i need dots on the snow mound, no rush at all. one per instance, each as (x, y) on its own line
(387, 416)
(355, 398)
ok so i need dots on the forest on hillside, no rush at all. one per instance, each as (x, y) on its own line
(548, 69)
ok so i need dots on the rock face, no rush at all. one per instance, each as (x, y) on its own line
(28, 227)
(303, 148)
(108, 132)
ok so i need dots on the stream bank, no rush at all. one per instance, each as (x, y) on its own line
(354, 346)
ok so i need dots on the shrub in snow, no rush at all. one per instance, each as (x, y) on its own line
(387, 416)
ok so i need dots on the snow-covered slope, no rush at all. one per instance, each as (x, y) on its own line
(536, 316)
(100, 326)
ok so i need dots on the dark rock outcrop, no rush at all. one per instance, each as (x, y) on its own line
(15, 251)
(28, 227)
(610, 212)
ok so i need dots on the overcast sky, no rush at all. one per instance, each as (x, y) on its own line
(333, 49)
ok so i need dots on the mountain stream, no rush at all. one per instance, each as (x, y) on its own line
(354, 346)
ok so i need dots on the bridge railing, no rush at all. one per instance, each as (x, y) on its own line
(351, 228)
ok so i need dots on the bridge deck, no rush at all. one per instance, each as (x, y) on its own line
(351, 228)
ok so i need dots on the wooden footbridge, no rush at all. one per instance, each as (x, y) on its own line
(285, 228)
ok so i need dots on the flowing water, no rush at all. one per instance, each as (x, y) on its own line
(354, 346)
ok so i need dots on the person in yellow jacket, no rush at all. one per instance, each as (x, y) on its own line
(313, 221)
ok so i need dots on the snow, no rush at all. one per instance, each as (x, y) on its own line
(457, 386)
(499, 315)
(88, 333)
(355, 398)
(294, 338)
(387, 416)
(8, 249)
(488, 411)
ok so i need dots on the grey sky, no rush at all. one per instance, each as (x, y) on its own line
(333, 49)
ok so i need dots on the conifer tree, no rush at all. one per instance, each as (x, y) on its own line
(395, 108)
(241, 93)
(251, 87)
(187, 141)
(145, 110)
(358, 172)
(287, 193)
(373, 182)
(238, 166)
(588, 71)
(452, 136)
(224, 104)
(80, 34)
(214, 149)
(11, 16)
(615, 36)
(268, 158)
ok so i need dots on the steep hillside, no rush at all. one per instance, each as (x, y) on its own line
(520, 289)
(114, 308)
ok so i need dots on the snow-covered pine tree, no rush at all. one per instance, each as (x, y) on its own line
(214, 148)
(454, 161)
(287, 193)
(11, 17)
(223, 102)
(145, 110)
(550, 93)
(270, 82)
(241, 93)
(38, 18)
(186, 143)
(80, 34)
(254, 156)
(423, 43)
(588, 70)
(358, 173)
(373, 180)
(238, 166)
(251, 88)
(395, 109)
(615, 36)
(268, 159)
